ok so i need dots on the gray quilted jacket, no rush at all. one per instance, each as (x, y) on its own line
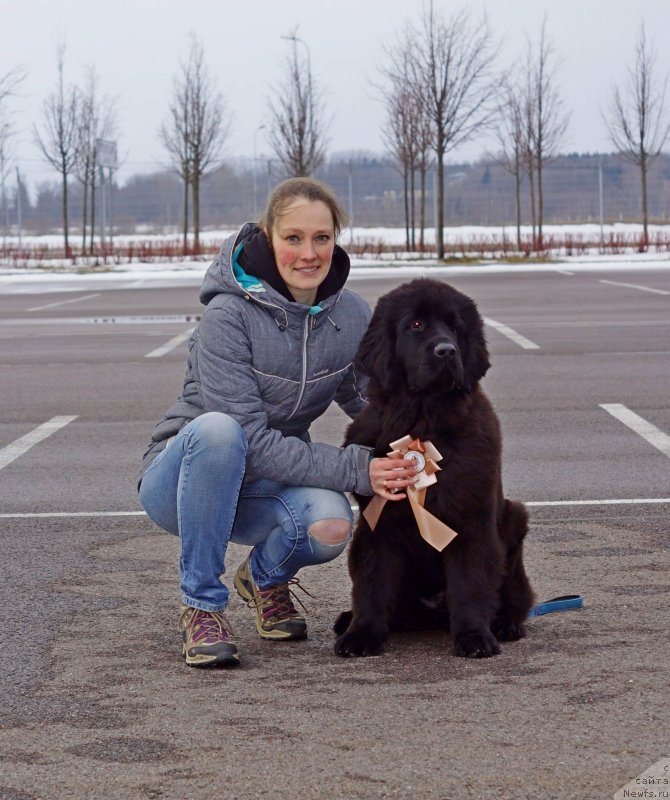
(274, 366)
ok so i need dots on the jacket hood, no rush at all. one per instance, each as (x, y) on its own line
(245, 266)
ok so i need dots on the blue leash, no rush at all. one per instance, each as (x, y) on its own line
(563, 603)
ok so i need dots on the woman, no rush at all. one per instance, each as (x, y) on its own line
(232, 459)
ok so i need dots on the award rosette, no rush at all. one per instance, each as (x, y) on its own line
(426, 458)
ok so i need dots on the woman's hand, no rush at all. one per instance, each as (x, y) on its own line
(388, 476)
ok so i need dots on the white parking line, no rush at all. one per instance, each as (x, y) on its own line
(635, 286)
(517, 338)
(533, 503)
(613, 502)
(649, 432)
(47, 514)
(174, 342)
(64, 302)
(21, 445)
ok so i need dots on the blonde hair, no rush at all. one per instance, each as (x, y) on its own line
(307, 189)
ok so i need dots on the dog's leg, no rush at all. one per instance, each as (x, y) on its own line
(377, 586)
(516, 595)
(473, 582)
(343, 622)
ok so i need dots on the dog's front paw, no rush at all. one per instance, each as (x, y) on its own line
(358, 643)
(476, 645)
(507, 630)
(343, 622)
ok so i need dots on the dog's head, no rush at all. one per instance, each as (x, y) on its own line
(424, 336)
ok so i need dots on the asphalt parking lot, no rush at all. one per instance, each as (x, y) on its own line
(96, 702)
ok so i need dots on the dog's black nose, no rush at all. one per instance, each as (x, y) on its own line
(444, 350)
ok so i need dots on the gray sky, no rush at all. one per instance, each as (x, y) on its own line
(136, 47)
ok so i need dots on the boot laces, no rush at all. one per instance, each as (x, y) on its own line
(206, 625)
(277, 601)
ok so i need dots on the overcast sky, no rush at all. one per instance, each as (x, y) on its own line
(136, 47)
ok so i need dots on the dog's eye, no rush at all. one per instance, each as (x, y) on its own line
(417, 325)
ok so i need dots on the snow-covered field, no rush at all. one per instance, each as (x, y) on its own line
(389, 236)
(371, 247)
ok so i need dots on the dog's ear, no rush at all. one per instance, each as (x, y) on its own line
(375, 355)
(476, 362)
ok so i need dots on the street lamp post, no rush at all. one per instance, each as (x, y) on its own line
(291, 37)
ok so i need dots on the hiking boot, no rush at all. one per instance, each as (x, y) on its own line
(207, 638)
(276, 616)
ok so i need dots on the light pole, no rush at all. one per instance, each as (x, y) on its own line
(291, 37)
(255, 170)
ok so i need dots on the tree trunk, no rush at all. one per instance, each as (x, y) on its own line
(84, 217)
(540, 205)
(195, 186)
(65, 220)
(185, 244)
(439, 233)
(406, 198)
(92, 236)
(533, 218)
(645, 211)
(422, 205)
(412, 208)
(517, 190)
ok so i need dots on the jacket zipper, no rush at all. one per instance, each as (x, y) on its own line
(303, 380)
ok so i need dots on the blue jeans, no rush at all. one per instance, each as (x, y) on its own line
(194, 489)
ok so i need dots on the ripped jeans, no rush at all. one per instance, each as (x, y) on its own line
(194, 489)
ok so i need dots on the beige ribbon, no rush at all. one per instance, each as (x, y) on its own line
(436, 533)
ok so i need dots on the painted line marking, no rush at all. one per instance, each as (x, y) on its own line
(534, 503)
(24, 443)
(64, 302)
(170, 345)
(635, 286)
(633, 501)
(655, 436)
(611, 502)
(517, 338)
(60, 514)
(139, 320)
(564, 272)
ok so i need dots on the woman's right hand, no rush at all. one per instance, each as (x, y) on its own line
(389, 476)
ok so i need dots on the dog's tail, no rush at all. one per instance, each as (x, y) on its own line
(516, 593)
(514, 525)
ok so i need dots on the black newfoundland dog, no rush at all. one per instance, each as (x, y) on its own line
(424, 353)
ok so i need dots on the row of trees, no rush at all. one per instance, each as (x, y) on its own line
(75, 119)
(441, 87)
(198, 123)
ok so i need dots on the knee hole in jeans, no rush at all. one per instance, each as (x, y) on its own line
(330, 531)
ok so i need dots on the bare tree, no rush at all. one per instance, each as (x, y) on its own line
(297, 124)
(96, 120)
(175, 135)
(424, 148)
(408, 131)
(510, 134)
(58, 141)
(209, 128)
(528, 126)
(637, 123)
(550, 118)
(195, 131)
(8, 83)
(397, 135)
(454, 62)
